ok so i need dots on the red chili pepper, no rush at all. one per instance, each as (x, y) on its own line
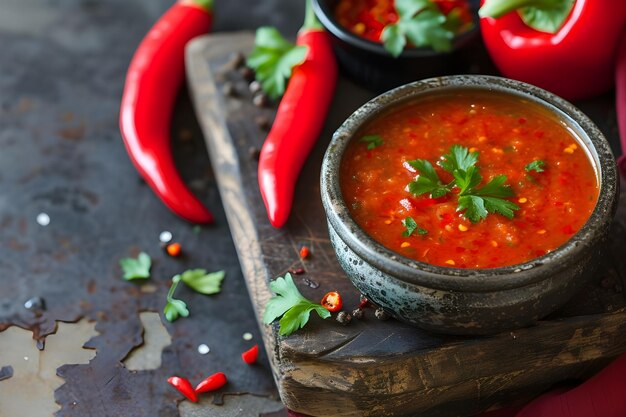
(304, 252)
(154, 76)
(575, 62)
(174, 249)
(299, 120)
(251, 355)
(184, 387)
(212, 383)
(332, 301)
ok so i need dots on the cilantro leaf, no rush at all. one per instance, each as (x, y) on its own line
(495, 188)
(474, 207)
(490, 198)
(537, 165)
(427, 181)
(411, 226)
(422, 23)
(467, 180)
(201, 281)
(174, 308)
(459, 157)
(291, 305)
(136, 268)
(373, 141)
(497, 205)
(273, 59)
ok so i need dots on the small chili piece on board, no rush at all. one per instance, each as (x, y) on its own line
(212, 383)
(332, 301)
(304, 252)
(184, 387)
(251, 355)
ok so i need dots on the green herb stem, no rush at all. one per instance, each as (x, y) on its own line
(206, 5)
(498, 8)
(170, 293)
(310, 20)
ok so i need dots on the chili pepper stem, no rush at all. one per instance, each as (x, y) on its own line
(310, 20)
(203, 4)
(498, 8)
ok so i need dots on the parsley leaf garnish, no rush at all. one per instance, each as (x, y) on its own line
(427, 181)
(136, 268)
(421, 23)
(476, 203)
(411, 226)
(273, 59)
(372, 141)
(201, 281)
(174, 308)
(537, 165)
(294, 308)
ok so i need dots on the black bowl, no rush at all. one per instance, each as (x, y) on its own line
(372, 66)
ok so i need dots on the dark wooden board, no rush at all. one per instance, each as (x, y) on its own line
(372, 367)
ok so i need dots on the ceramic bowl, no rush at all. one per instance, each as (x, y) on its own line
(375, 68)
(469, 301)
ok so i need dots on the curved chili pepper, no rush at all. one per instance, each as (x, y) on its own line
(251, 355)
(299, 121)
(154, 76)
(575, 62)
(184, 387)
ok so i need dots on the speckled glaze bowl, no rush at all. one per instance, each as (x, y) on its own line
(469, 301)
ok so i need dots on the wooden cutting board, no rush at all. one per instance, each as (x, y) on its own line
(373, 367)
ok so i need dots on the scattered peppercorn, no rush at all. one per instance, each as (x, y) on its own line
(260, 100)
(254, 153)
(364, 302)
(184, 387)
(304, 252)
(358, 313)
(344, 318)
(254, 87)
(246, 73)
(381, 314)
(35, 304)
(263, 122)
(251, 355)
(228, 89)
(174, 249)
(310, 283)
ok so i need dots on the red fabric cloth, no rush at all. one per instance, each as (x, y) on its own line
(603, 395)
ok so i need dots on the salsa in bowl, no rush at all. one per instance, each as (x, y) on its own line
(468, 204)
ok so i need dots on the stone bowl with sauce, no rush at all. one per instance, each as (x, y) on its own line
(464, 299)
(369, 64)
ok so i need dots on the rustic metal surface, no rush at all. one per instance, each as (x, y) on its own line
(61, 77)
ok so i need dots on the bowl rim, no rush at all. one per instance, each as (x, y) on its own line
(459, 279)
(327, 19)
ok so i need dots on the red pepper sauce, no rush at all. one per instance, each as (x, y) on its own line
(509, 133)
(368, 18)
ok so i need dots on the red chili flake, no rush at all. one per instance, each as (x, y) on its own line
(568, 230)
(332, 301)
(521, 120)
(174, 249)
(304, 252)
(184, 387)
(296, 271)
(364, 302)
(251, 355)
(212, 383)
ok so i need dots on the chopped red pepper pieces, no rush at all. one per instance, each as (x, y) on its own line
(184, 387)
(304, 252)
(332, 301)
(212, 383)
(174, 249)
(251, 355)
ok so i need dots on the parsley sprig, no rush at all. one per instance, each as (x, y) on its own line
(199, 281)
(537, 165)
(294, 308)
(372, 141)
(273, 58)
(411, 226)
(136, 268)
(475, 202)
(421, 23)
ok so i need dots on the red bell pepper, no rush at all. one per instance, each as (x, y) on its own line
(299, 120)
(572, 54)
(154, 77)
